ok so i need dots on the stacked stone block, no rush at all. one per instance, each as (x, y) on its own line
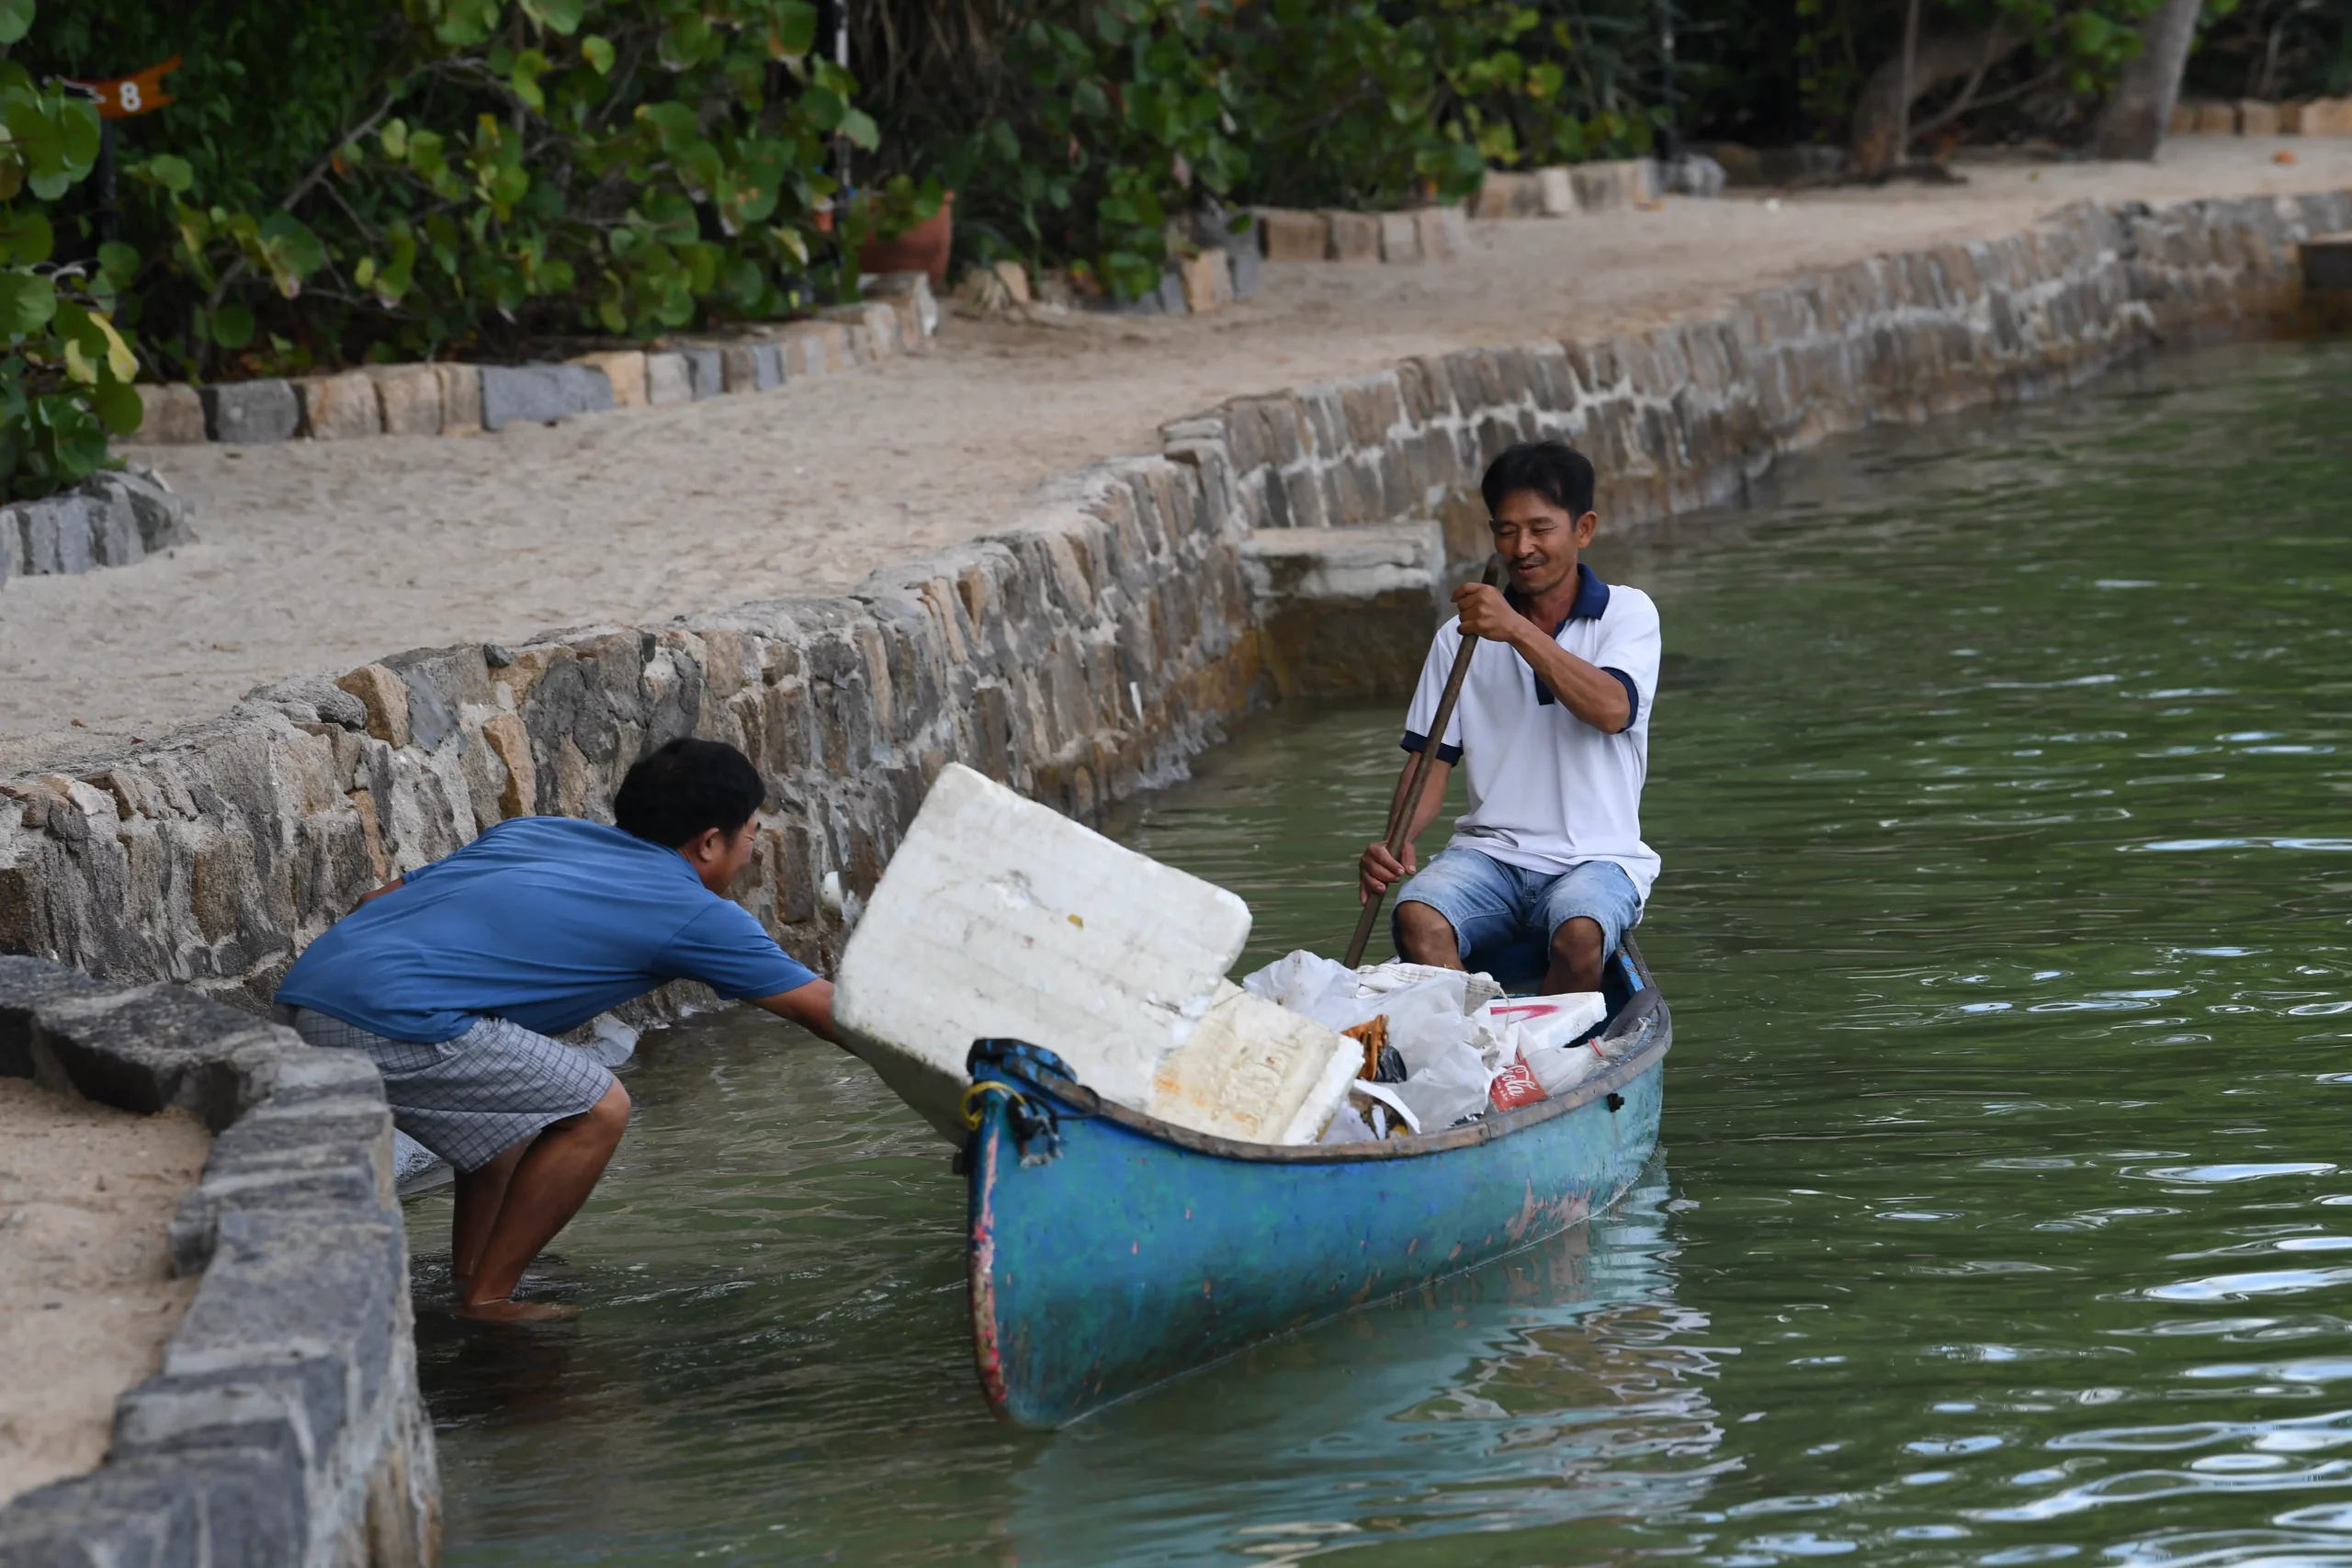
(114, 518)
(1282, 234)
(285, 1426)
(899, 316)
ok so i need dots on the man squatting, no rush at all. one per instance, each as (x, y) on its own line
(452, 978)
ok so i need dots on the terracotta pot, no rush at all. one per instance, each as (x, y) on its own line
(922, 248)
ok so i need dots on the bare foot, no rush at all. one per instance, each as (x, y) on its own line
(515, 1311)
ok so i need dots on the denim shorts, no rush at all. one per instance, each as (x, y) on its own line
(1503, 917)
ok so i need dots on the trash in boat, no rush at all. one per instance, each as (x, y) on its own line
(1513, 1087)
(1464, 1047)
(1382, 1062)
(998, 918)
(1254, 1071)
(1001, 919)
(1380, 1110)
(1547, 1034)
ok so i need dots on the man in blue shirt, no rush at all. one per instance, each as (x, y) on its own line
(453, 977)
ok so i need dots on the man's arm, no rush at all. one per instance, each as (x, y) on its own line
(810, 1006)
(395, 885)
(1586, 690)
(1379, 868)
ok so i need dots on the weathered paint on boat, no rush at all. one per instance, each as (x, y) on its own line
(1139, 1251)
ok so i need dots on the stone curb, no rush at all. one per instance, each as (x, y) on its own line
(1439, 233)
(285, 1426)
(1426, 233)
(2254, 116)
(114, 518)
(899, 317)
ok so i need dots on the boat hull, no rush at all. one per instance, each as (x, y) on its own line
(1138, 1252)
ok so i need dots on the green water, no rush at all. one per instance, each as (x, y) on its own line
(2003, 776)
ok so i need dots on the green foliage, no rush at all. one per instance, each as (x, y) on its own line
(488, 176)
(1101, 120)
(2272, 49)
(65, 377)
(473, 172)
(1360, 104)
(1122, 116)
(1347, 103)
(2066, 52)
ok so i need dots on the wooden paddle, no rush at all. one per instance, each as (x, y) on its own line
(1408, 804)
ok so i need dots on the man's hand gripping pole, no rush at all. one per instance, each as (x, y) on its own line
(1408, 804)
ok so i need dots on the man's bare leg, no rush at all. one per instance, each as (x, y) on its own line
(1576, 957)
(479, 1195)
(1424, 936)
(557, 1172)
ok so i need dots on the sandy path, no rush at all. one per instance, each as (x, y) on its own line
(316, 556)
(86, 1192)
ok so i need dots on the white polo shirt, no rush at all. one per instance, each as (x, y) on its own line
(1548, 791)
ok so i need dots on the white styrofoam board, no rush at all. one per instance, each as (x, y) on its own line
(1000, 917)
(1255, 1072)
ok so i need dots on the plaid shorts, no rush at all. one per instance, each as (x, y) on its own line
(471, 1099)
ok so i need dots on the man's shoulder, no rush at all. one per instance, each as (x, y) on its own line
(562, 843)
(1630, 605)
(568, 830)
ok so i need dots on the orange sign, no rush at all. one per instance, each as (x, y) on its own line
(126, 97)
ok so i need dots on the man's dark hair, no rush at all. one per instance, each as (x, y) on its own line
(1553, 470)
(676, 792)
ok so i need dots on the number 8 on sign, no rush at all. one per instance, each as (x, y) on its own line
(124, 97)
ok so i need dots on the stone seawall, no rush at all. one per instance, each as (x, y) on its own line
(1084, 652)
(1093, 645)
(285, 1426)
(1686, 416)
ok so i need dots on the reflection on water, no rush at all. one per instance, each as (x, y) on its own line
(2001, 1220)
(1558, 1385)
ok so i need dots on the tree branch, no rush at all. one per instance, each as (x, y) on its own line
(2004, 95)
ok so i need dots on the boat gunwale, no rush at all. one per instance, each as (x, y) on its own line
(1644, 1013)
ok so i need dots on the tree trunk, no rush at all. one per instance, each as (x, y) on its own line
(1882, 113)
(2132, 124)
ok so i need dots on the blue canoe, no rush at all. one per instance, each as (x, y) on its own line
(1111, 1251)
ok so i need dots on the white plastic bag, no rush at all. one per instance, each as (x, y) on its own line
(1560, 1068)
(1399, 1109)
(1542, 1032)
(1426, 1019)
(1317, 988)
(1376, 978)
(1445, 1086)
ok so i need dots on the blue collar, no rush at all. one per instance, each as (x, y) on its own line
(1591, 600)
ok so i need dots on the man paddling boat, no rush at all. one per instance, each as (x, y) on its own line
(1547, 870)
(453, 977)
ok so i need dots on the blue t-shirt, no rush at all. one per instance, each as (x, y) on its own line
(545, 921)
